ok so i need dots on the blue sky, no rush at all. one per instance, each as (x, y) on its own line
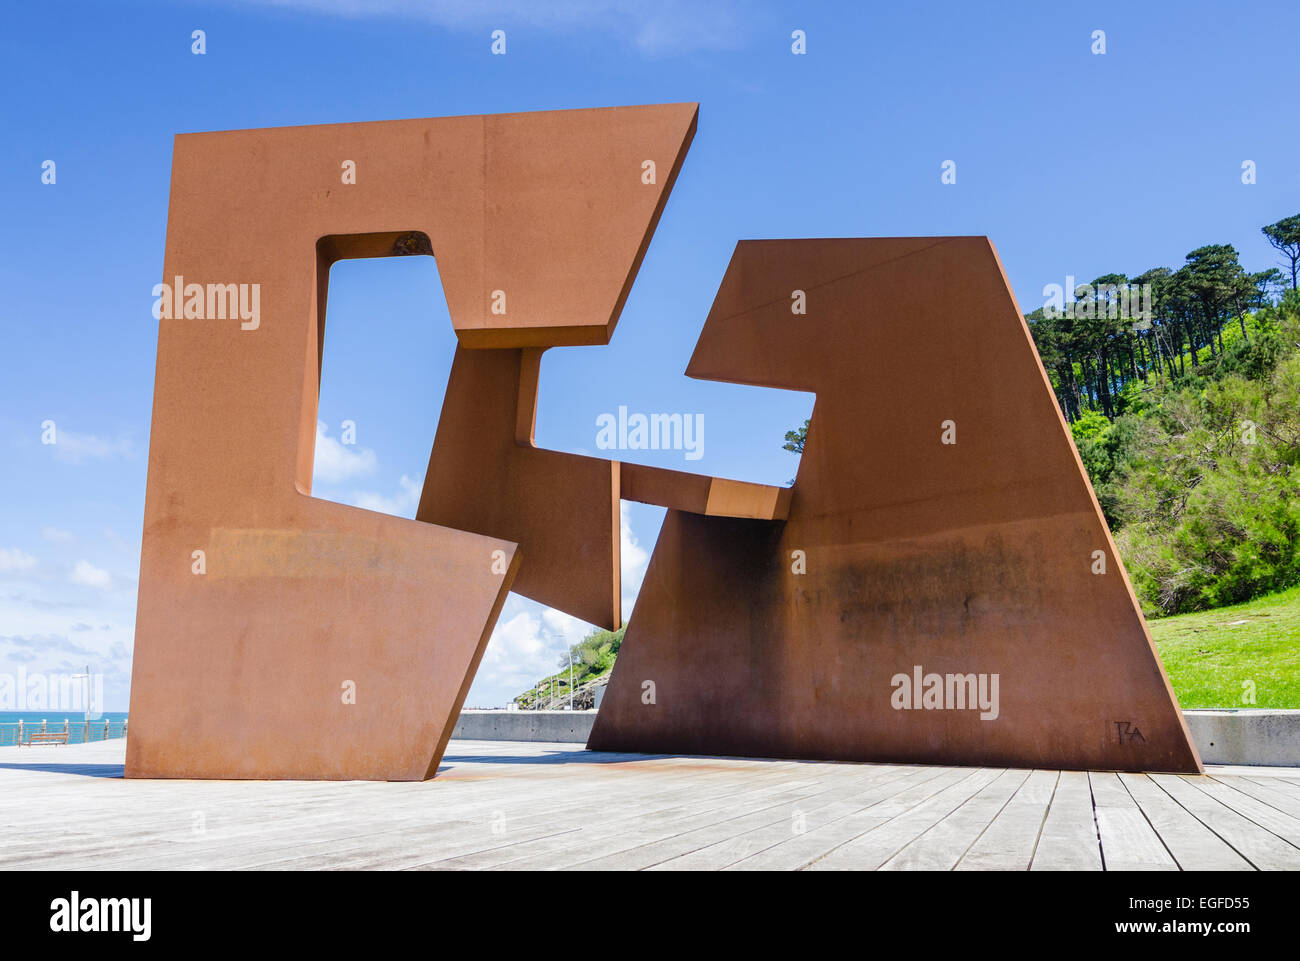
(1074, 163)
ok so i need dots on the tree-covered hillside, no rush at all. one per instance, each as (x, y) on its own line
(1188, 421)
(592, 660)
(1182, 390)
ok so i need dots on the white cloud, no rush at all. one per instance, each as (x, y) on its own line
(530, 639)
(517, 656)
(56, 534)
(526, 646)
(47, 644)
(40, 617)
(518, 646)
(53, 654)
(557, 624)
(655, 27)
(12, 559)
(74, 448)
(402, 504)
(336, 461)
(634, 561)
(88, 575)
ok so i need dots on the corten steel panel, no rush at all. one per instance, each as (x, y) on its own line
(971, 558)
(239, 671)
(701, 494)
(485, 475)
(548, 207)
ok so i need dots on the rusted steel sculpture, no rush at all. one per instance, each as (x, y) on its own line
(279, 636)
(939, 585)
(486, 474)
(944, 588)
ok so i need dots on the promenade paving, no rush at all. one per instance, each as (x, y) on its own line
(525, 805)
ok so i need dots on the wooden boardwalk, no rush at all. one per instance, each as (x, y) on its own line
(516, 805)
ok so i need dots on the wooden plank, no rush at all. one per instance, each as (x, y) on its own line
(852, 819)
(1262, 791)
(500, 818)
(1193, 846)
(275, 829)
(1069, 841)
(513, 805)
(777, 810)
(870, 850)
(1261, 848)
(1266, 816)
(644, 816)
(116, 832)
(819, 812)
(1279, 785)
(1128, 841)
(262, 813)
(687, 810)
(941, 847)
(1009, 842)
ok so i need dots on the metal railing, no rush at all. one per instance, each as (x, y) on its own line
(76, 732)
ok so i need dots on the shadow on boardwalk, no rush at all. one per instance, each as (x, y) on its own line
(85, 770)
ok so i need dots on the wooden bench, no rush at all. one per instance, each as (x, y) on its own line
(52, 737)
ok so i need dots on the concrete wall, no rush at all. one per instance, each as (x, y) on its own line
(1246, 737)
(568, 726)
(1223, 737)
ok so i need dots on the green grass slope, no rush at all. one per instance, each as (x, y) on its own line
(1216, 658)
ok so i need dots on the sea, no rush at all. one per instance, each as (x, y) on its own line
(117, 725)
